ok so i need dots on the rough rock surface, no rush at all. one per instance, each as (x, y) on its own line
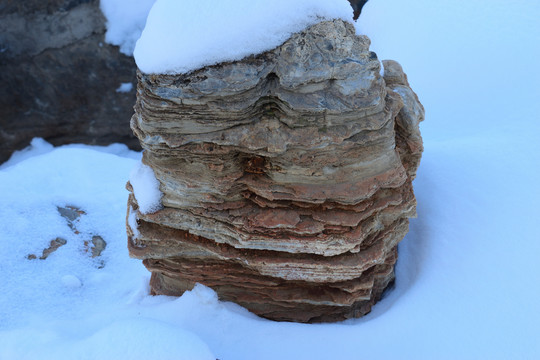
(59, 77)
(286, 176)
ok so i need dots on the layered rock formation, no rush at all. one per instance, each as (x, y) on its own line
(59, 77)
(286, 177)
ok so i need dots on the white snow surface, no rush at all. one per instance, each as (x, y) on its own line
(125, 87)
(125, 22)
(181, 36)
(468, 275)
(145, 188)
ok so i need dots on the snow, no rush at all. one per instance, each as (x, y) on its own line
(71, 281)
(37, 146)
(181, 36)
(125, 87)
(145, 188)
(468, 272)
(125, 22)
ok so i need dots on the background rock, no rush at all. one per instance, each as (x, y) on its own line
(59, 77)
(357, 6)
(286, 176)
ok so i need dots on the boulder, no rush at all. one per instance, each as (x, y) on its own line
(286, 176)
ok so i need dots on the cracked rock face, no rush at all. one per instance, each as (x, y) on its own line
(286, 176)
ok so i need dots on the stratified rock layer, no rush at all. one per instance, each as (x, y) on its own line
(286, 176)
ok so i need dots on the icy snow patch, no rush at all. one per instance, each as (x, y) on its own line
(181, 36)
(145, 188)
(125, 87)
(125, 22)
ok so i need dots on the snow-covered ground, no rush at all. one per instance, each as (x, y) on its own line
(468, 276)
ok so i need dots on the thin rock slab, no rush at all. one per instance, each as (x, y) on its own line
(286, 176)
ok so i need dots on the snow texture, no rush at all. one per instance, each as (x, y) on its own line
(467, 283)
(181, 36)
(125, 22)
(37, 146)
(145, 188)
(71, 281)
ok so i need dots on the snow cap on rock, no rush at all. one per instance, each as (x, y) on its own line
(146, 188)
(181, 36)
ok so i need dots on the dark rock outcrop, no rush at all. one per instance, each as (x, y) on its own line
(59, 77)
(286, 177)
(357, 6)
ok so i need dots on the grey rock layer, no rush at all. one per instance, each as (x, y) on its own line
(286, 176)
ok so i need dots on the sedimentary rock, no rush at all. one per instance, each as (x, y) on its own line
(59, 77)
(286, 177)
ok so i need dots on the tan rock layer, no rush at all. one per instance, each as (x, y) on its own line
(271, 299)
(286, 177)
